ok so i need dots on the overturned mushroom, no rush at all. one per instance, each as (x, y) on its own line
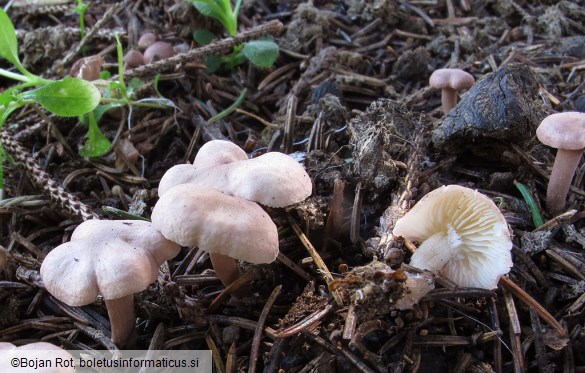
(227, 227)
(463, 236)
(113, 258)
(272, 179)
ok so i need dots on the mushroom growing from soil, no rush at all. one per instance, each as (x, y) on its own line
(464, 236)
(133, 59)
(565, 132)
(114, 258)
(39, 351)
(272, 179)
(87, 68)
(159, 50)
(147, 39)
(233, 183)
(450, 81)
(227, 227)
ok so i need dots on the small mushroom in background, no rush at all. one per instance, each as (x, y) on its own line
(158, 51)
(133, 59)
(39, 351)
(87, 68)
(450, 82)
(565, 132)
(464, 236)
(113, 258)
(227, 227)
(272, 179)
(147, 39)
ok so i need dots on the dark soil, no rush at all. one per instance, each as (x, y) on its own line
(348, 96)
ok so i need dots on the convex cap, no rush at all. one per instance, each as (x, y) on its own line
(463, 236)
(272, 179)
(113, 258)
(192, 214)
(456, 79)
(563, 130)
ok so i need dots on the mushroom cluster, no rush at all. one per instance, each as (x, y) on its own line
(213, 204)
(114, 258)
(464, 236)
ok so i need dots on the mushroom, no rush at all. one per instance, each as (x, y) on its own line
(87, 68)
(227, 227)
(463, 236)
(35, 354)
(272, 179)
(450, 81)
(159, 50)
(133, 59)
(566, 132)
(147, 39)
(113, 258)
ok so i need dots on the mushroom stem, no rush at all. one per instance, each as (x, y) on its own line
(122, 322)
(448, 99)
(436, 251)
(226, 268)
(564, 167)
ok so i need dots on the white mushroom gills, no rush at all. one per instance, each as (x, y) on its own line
(463, 236)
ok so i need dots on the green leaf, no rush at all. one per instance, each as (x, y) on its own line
(1, 167)
(220, 10)
(8, 103)
(135, 85)
(68, 97)
(8, 42)
(97, 144)
(100, 110)
(261, 53)
(213, 63)
(529, 199)
(209, 9)
(231, 108)
(203, 36)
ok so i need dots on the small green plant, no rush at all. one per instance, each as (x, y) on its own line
(222, 11)
(532, 205)
(67, 97)
(116, 94)
(261, 53)
(81, 8)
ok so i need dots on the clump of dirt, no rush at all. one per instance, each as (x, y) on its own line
(368, 10)
(412, 64)
(377, 138)
(43, 46)
(307, 25)
(503, 107)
